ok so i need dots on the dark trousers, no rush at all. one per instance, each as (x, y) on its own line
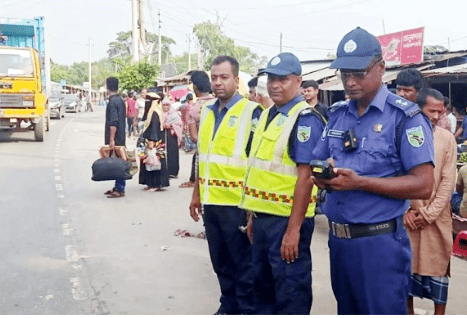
(230, 252)
(131, 127)
(281, 288)
(193, 168)
(120, 185)
(371, 275)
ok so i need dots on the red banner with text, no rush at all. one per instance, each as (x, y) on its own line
(405, 47)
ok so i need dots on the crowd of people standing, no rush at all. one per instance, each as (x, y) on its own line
(393, 171)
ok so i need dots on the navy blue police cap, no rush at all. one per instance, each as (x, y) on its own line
(356, 50)
(283, 64)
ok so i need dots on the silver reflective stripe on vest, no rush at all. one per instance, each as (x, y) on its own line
(276, 164)
(273, 167)
(220, 159)
(245, 123)
(285, 135)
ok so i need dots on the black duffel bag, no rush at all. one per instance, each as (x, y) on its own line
(111, 168)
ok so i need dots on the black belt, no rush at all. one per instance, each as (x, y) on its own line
(350, 231)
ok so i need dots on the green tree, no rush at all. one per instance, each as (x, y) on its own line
(58, 72)
(181, 62)
(100, 71)
(138, 75)
(214, 43)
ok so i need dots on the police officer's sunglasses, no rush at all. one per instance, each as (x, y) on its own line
(345, 75)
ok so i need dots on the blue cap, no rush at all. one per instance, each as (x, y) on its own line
(356, 50)
(284, 64)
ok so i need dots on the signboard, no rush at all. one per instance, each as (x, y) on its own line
(405, 47)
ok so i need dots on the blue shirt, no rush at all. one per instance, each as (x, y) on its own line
(376, 156)
(308, 124)
(219, 116)
(464, 128)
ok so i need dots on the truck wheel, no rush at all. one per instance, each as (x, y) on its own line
(47, 123)
(39, 130)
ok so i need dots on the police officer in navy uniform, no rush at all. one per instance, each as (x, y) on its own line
(281, 231)
(382, 150)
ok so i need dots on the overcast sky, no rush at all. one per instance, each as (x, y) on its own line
(310, 29)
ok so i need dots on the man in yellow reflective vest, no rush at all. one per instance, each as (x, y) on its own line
(224, 139)
(279, 192)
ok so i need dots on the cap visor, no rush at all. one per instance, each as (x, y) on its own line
(351, 62)
(275, 71)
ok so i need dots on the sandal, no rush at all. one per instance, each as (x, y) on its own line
(116, 194)
(110, 192)
(187, 184)
(148, 189)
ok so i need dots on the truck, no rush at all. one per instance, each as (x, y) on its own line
(24, 75)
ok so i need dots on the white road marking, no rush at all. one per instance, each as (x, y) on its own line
(76, 130)
(58, 178)
(57, 171)
(71, 253)
(56, 160)
(59, 187)
(60, 196)
(62, 212)
(76, 289)
(52, 123)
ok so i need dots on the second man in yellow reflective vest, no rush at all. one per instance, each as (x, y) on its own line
(279, 191)
(224, 139)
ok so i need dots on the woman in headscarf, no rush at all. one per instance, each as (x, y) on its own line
(153, 133)
(173, 129)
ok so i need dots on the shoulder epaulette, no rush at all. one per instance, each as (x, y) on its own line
(336, 106)
(310, 111)
(410, 109)
(306, 111)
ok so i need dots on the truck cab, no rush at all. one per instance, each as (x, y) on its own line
(23, 75)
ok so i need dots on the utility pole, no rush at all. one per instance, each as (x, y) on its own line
(135, 32)
(280, 44)
(384, 28)
(89, 94)
(200, 57)
(142, 28)
(160, 40)
(449, 45)
(189, 51)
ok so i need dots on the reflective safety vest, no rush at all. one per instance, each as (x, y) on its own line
(222, 157)
(272, 174)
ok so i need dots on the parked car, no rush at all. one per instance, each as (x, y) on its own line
(72, 103)
(56, 107)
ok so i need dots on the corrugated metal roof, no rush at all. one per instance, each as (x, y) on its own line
(319, 74)
(456, 69)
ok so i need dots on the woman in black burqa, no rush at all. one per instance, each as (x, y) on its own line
(153, 133)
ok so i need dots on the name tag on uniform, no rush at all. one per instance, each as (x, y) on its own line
(336, 133)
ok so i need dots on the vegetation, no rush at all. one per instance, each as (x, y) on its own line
(214, 43)
(138, 75)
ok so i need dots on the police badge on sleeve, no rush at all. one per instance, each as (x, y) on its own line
(303, 133)
(415, 136)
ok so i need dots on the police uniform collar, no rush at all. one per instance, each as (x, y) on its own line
(233, 100)
(378, 101)
(287, 107)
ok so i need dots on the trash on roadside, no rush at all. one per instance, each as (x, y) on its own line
(166, 248)
(185, 233)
